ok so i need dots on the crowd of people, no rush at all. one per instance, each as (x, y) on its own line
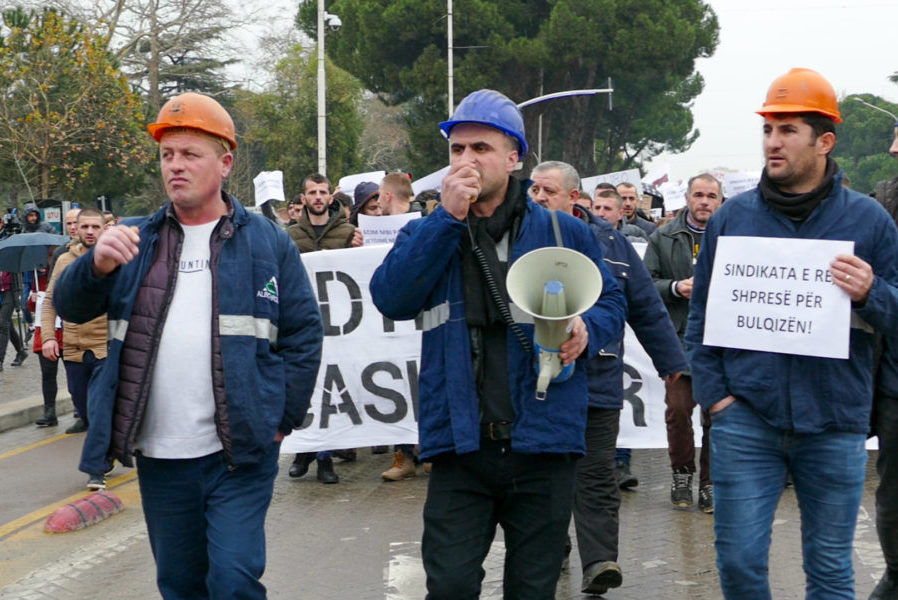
(191, 340)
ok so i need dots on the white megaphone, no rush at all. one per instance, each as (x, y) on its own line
(553, 285)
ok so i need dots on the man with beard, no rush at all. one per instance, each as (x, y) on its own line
(779, 414)
(84, 345)
(318, 228)
(501, 456)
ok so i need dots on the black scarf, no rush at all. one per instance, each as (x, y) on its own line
(799, 207)
(480, 310)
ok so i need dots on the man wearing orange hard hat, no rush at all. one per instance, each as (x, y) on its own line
(778, 412)
(214, 346)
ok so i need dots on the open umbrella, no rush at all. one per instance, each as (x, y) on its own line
(27, 251)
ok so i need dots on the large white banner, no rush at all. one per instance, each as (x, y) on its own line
(777, 295)
(366, 392)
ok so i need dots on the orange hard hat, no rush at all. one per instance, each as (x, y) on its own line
(194, 111)
(801, 90)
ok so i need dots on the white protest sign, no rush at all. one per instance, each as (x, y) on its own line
(383, 230)
(433, 181)
(736, 183)
(366, 392)
(674, 193)
(269, 185)
(777, 295)
(348, 183)
(657, 176)
(630, 176)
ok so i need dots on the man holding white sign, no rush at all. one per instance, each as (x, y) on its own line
(780, 409)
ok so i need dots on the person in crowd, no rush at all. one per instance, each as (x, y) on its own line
(49, 368)
(340, 201)
(395, 194)
(630, 196)
(366, 202)
(609, 206)
(33, 222)
(500, 455)
(84, 344)
(319, 229)
(777, 414)
(670, 258)
(294, 209)
(215, 347)
(885, 426)
(8, 331)
(556, 186)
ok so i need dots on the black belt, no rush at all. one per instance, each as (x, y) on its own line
(496, 430)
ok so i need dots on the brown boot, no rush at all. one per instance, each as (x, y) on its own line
(403, 468)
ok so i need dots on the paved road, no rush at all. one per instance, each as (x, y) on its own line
(358, 539)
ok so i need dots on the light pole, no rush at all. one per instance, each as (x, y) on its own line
(334, 22)
(874, 107)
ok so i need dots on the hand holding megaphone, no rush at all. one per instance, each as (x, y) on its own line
(577, 343)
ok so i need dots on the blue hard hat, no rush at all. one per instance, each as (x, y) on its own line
(491, 108)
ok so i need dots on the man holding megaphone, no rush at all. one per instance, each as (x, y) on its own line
(500, 455)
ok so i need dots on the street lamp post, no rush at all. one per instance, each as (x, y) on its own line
(334, 22)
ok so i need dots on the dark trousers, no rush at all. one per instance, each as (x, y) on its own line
(529, 495)
(49, 369)
(887, 491)
(8, 333)
(77, 375)
(680, 436)
(597, 499)
(206, 524)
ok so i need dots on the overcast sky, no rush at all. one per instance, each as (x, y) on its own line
(853, 43)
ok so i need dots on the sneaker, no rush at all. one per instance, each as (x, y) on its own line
(625, 479)
(403, 468)
(887, 588)
(78, 427)
(326, 472)
(600, 576)
(706, 498)
(96, 482)
(681, 488)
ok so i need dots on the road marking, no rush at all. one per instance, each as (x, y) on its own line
(866, 544)
(35, 445)
(42, 513)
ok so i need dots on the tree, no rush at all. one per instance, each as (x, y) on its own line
(283, 119)
(862, 141)
(67, 116)
(397, 48)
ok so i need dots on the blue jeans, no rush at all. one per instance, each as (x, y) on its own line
(206, 524)
(750, 460)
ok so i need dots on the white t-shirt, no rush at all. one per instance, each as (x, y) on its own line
(180, 416)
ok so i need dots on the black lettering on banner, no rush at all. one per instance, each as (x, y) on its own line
(355, 302)
(333, 379)
(390, 324)
(411, 367)
(631, 397)
(385, 393)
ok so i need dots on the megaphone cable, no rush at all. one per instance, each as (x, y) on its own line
(496, 295)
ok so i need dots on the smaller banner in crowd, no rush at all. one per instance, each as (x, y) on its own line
(736, 183)
(269, 185)
(630, 176)
(377, 231)
(433, 181)
(777, 295)
(347, 183)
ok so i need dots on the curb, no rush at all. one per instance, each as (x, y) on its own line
(19, 413)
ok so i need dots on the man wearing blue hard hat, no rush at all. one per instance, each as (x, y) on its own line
(500, 455)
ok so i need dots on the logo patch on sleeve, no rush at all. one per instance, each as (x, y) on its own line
(270, 291)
